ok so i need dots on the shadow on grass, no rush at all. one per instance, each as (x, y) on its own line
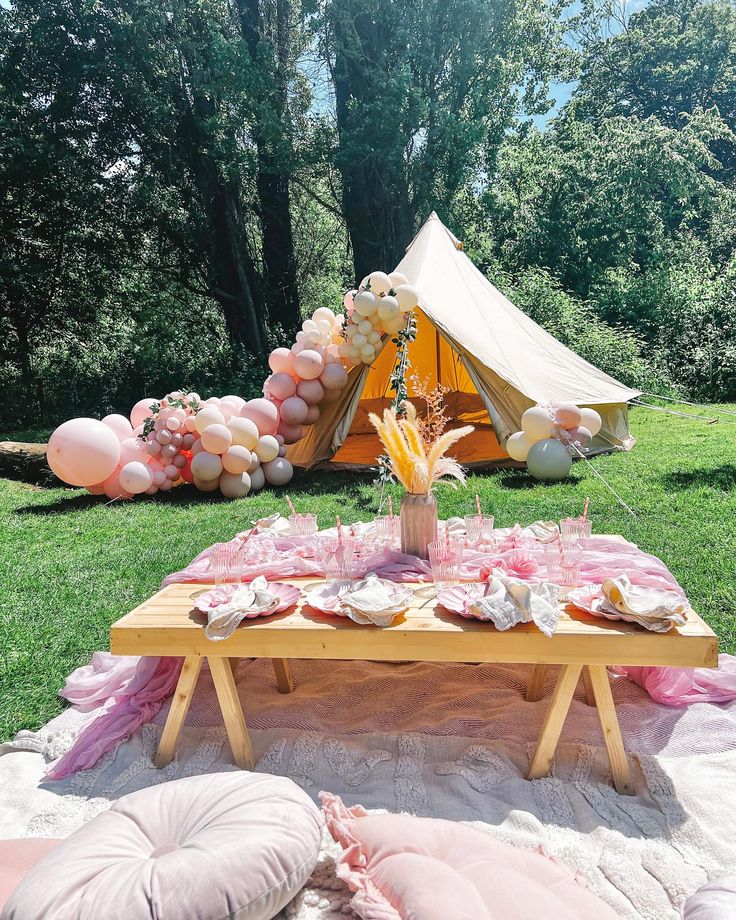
(718, 477)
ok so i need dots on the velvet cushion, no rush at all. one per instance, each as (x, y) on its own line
(225, 845)
(17, 857)
(714, 901)
(406, 868)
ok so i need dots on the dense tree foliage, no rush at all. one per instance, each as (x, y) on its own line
(177, 179)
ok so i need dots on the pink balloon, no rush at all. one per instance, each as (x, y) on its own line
(308, 364)
(568, 415)
(312, 415)
(280, 386)
(294, 410)
(135, 477)
(133, 449)
(98, 489)
(290, 433)
(311, 391)
(83, 452)
(141, 411)
(120, 425)
(263, 413)
(159, 477)
(153, 448)
(171, 472)
(580, 435)
(113, 488)
(281, 361)
(334, 377)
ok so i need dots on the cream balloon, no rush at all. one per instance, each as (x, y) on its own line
(380, 282)
(548, 460)
(119, 424)
(591, 420)
(210, 415)
(236, 459)
(388, 308)
(135, 477)
(536, 424)
(216, 439)
(278, 471)
(254, 462)
(206, 466)
(257, 479)
(365, 303)
(244, 431)
(407, 297)
(206, 485)
(83, 452)
(235, 485)
(396, 278)
(517, 446)
(393, 326)
(323, 313)
(267, 448)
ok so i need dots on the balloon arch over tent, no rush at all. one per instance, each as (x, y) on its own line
(499, 371)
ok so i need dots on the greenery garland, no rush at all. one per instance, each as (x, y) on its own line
(397, 383)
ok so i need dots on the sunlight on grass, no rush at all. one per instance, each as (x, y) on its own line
(70, 564)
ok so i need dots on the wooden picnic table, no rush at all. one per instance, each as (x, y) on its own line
(168, 625)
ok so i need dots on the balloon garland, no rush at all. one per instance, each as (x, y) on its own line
(551, 434)
(227, 443)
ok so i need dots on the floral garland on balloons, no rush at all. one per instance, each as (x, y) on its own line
(551, 434)
(227, 443)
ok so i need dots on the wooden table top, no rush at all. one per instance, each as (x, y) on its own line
(167, 624)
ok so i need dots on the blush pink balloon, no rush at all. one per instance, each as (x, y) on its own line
(141, 411)
(263, 413)
(290, 433)
(311, 391)
(308, 364)
(113, 488)
(312, 415)
(568, 415)
(294, 411)
(119, 424)
(334, 377)
(281, 386)
(281, 361)
(580, 435)
(97, 489)
(133, 449)
(135, 477)
(83, 452)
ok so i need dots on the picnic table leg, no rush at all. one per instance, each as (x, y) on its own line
(232, 712)
(284, 680)
(611, 729)
(535, 689)
(554, 720)
(178, 712)
(589, 694)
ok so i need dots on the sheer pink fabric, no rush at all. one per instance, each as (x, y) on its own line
(129, 691)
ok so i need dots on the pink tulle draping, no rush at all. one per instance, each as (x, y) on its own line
(129, 691)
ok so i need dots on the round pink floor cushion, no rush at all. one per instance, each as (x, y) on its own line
(223, 845)
(17, 858)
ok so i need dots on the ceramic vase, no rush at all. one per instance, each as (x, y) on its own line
(418, 523)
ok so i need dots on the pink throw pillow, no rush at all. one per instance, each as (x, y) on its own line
(406, 868)
(17, 857)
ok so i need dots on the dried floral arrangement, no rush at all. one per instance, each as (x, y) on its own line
(416, 463)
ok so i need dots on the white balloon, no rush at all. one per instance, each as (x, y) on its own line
(359, 340)
(396, 278)
(380, 282)
(407, 296)
(257, 479)
(309, 325)
(537, 424)
(323, 313)
(388, 308)
(374, 338)
(591, 420)
(517, 446)
(365, 303)
(365, 326)
(235, 485)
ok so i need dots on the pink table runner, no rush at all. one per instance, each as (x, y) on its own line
(130, 690)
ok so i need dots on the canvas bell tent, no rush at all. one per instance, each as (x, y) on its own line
(495, 361)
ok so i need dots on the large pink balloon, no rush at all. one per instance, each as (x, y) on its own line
(133, 449)
(281, 361)
(334, 377)
(311, 391)
(119, 424)
(290, 433)
(83, 452)
(263, 413)
(281, 386)
(294, 411)
(141, 411)
(308, 364)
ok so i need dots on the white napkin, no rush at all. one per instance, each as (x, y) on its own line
(653, 608)
(509, 601)
(542, 531)
(249, 599)
(373, 600)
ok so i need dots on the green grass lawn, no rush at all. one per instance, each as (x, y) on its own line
(70, 565)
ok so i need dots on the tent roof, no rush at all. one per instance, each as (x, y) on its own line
(479, 320)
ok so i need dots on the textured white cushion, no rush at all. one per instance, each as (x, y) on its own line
(714, 901)
(234, 845)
